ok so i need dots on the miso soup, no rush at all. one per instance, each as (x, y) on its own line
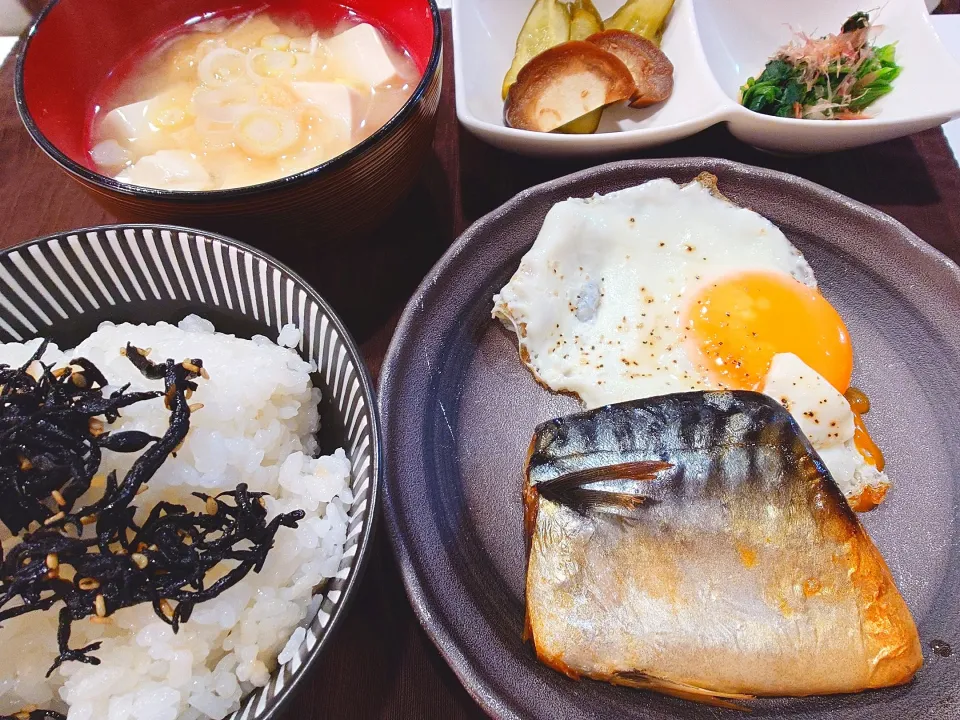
(228, 103)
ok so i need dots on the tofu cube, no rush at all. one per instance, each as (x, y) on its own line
(167, 170)
(359, 54)
(127, 123)
(110, 154)
(337, 101)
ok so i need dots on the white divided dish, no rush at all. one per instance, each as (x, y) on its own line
(714, 45)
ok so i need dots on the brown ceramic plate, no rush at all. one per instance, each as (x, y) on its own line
(459, 408)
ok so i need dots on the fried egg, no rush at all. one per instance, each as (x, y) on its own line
(835, 431)
(662, 288)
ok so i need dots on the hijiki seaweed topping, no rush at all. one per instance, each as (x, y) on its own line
(829, 78)
(34, 714)
(53, 429)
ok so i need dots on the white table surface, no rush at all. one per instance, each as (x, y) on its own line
(948, 26)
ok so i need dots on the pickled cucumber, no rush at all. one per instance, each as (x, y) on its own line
(547, 25)
(584, 20)
(643, 17)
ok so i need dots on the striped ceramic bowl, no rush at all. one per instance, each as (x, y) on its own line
(61, 68)
(63, 286)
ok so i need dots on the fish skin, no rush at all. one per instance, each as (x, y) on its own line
(741, 570)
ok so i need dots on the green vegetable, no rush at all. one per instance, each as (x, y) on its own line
(838, 76)
(876, 77)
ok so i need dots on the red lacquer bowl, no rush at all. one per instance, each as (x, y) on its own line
(75, 45)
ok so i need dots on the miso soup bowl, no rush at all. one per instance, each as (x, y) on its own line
(75, 44)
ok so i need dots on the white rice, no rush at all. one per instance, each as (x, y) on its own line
(256, 426)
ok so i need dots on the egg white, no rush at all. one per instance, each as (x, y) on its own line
(825, 417)
(597, 301)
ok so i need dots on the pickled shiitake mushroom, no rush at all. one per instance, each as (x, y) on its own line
(550, 99)
(565, 83)
(651, 70)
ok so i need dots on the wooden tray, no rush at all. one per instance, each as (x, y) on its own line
(382, 665)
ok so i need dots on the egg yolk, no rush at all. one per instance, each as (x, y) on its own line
(737, 323)
(860, 405)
